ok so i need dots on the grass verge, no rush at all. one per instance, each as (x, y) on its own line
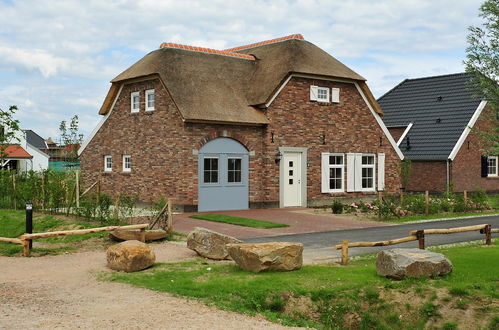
(238, 221)
(336, 297)
(12, 224)
(440, 216)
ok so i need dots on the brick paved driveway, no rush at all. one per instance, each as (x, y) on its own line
(299, 222)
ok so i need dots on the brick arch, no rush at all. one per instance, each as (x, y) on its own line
(231, 135)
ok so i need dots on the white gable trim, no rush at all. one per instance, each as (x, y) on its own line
(278, 91)
(407, 129)
(38, 151)
(381, 124)
(99, 125)
(467, 130)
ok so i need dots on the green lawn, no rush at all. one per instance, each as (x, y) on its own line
(337, 297)
(238, 221)
(12, 224)
(440, 216)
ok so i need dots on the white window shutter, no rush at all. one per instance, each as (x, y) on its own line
(313, 93)
(358, 172)
(381, 172)
(335, 95)
(325, 173)
(350, 172)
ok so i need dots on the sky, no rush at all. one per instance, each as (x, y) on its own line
(58, 56)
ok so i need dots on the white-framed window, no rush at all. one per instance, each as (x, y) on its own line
(210, 170)
(492, 166)
(150, 100)
(335, 95)
(234, 170)
(322, 94)
(127, 163)
(108, 163)
(333, 171)
(135, 101)
(368, 169)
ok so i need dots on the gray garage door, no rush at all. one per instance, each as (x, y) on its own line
(223, 176)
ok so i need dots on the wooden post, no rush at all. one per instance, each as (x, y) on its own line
(70, 201)
(169, 219)
(420, 236)
(117, 208)
(465, 196)
(426, 202)
(401, 196)
(344, 253)
(488, 236)
(142, 235)
(25, 247)
(98, 192)
(77, 187)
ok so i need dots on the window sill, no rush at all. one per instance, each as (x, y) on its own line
(492, 177)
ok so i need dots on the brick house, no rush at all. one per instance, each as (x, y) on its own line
(434, 121)
(276, 123)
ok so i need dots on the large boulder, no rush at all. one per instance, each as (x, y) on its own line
(210, 244)
(279, 256)
(130, 256)
(400, 263)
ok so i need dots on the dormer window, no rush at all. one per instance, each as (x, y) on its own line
(135, 101)
(322, 94)
(150, 100)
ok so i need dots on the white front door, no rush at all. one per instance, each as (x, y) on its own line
(292, 179)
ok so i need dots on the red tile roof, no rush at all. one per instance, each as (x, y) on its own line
(205, 50)
(230, 51)
(16, 151)
(266, 42)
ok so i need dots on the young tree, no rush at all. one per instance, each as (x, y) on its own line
(482, 60)
(70, 137)
(8, 129)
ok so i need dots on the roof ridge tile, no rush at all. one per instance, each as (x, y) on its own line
(266, 42)
(205, 50)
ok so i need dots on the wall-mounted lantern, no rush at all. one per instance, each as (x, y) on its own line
(278, 157)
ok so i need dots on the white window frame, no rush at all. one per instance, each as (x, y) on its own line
(327, 94)
(108, 160)
(496, 158)
(150, 92)
(132, 108)
(373, 166)
(125, 168)
(326, 166)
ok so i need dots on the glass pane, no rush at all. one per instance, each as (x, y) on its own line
(231, 176)
(367, 160)
(290, 163)
(336, 160)
(207, 178)
(237, 176)
(207, 164)
(290, 181)
(290, 172)
(214, 176)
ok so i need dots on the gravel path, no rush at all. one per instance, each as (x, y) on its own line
(57, 292)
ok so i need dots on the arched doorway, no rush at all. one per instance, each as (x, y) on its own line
(223, 175)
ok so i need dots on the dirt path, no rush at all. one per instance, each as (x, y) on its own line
(63, 292)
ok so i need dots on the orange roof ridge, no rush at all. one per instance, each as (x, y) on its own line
(266, 42)
(205, 50)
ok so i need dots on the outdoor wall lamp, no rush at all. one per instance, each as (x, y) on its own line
(278, 157)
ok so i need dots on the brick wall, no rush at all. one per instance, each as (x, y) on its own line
(466, 167)
(427, 175)
(161, 144)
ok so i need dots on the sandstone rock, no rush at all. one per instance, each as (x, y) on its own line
(280, 256)
(130, 256)
(210, 244)
(400, 263)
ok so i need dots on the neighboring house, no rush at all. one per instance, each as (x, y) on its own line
(434, 121)
(27, 153)
(61, 157)
(276, 123)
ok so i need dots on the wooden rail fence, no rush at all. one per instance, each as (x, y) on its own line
(417, 235)
(26, 238)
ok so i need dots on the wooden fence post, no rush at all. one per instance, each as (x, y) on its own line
(43, 190)
(420, 236)
(143, 235)
(465, 196)
(426, 202)
(14, 190)
(344, 253)
(488, 235)
(169, 219)
(98, 192)
(25, 243)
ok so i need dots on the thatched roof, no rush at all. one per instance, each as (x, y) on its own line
(227, 86)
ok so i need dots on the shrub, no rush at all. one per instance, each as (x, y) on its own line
(337, 207)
